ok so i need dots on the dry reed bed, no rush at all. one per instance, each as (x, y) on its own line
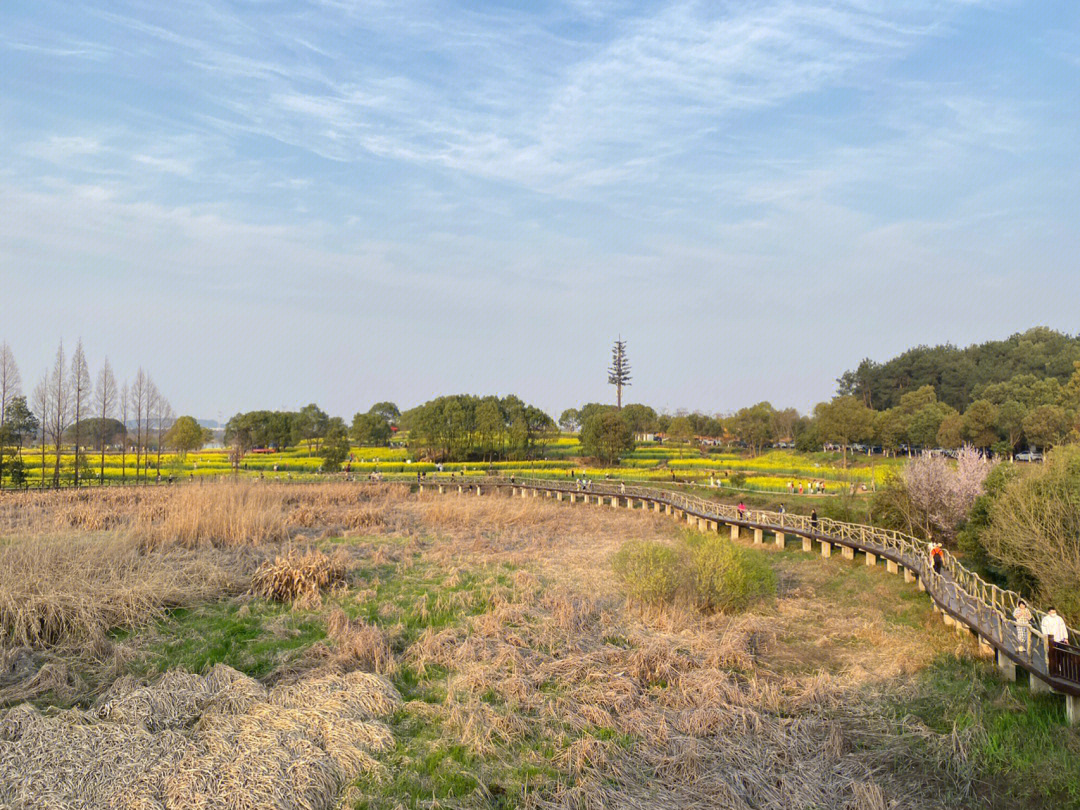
(708, 728)
(195, 742)
(714, 716)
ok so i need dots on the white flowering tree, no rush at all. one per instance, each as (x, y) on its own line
(940, 494)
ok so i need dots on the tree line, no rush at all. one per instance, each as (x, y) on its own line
(961, 376)
(460, 427)
(70, 408)
(309, 427)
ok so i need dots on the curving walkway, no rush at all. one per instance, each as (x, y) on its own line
(963, 598)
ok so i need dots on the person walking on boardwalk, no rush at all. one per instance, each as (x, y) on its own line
(813, 519)
(1056, 632)
(1054, 627)
(937, 557)
(1022, 615)
(742, 509)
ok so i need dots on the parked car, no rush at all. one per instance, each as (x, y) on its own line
(1028, 455)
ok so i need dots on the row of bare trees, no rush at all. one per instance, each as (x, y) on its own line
(67, 398)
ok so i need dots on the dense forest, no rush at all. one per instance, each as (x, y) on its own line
(961, 376)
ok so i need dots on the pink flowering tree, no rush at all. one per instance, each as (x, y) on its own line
(940, 494)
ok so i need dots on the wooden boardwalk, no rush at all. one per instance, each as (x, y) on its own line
(963, 598)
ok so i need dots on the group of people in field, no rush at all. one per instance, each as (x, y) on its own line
(807, 488)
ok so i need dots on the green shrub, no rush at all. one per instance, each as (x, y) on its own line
(726, 577)
(649, 572)
(716, 573)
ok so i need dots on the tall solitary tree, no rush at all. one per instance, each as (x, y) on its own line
(59, 387)
(80, 394)
(104, 402)
(40, 406)
(139, 395)
(125, 400)
(619, 373)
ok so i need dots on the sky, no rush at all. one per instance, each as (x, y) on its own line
(269, 203)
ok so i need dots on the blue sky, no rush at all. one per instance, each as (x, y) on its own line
(267, 203)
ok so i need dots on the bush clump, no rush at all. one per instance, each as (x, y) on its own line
(298, 577)
(725, 577)
(711, 572)
(650, 572)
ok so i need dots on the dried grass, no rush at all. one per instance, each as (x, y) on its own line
(75, 589)
(300, 577)
(187, 743)
(360, 643)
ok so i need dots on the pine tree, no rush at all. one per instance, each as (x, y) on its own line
(619, 373)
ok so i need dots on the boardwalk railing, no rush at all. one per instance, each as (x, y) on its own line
(960, 593)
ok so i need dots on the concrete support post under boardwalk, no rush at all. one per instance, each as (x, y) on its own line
(891, 567)
(1038, 686)
(780, 538)
(919, 582)
(614, 501)
(559, 495)
(826, 549)
(1006, 666)
(525, 492)
(734, 531)
(668, 508)
(657, 506)
(1072, 709)
(847, 552)
(909, 575)
(573, 497)
(759, 537)
(714, 526)
(442, 489)
(807, 544)
(871, 559)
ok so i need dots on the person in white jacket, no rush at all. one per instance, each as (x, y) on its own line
(1053, 626)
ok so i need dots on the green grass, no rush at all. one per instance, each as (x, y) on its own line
(1019, 740)
(254, 638)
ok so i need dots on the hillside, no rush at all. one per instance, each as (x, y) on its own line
(958, 373)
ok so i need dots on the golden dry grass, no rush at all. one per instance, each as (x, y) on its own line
(58, 589)
(300, 577)
(777, 708)
(216, 742)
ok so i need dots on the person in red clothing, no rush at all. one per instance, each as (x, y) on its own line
(937, 557)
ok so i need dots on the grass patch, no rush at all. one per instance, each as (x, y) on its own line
(1017, 740)
(254, 638)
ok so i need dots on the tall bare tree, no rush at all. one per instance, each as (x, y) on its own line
(150, 408)
(619, 373)
(104, 403)
(60, 403)
(81, 386)
(125, 399)
(139, 394)
(40, 406)
(163, 414)
(9, 389)
(9, 380)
